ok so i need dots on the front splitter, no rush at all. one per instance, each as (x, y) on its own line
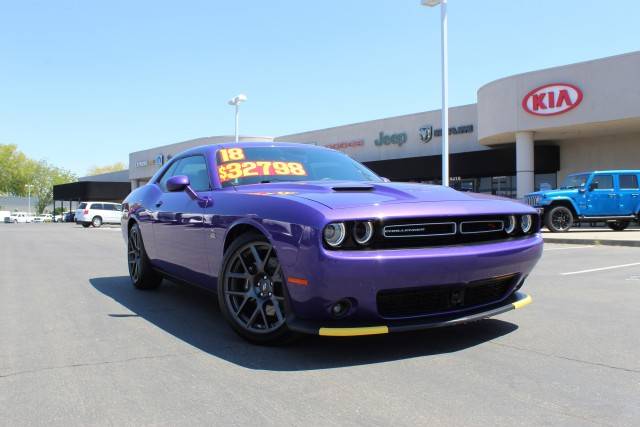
(517, 300)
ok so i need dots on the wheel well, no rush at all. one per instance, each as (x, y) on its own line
(130, 223)
(237, 231)
(567, 205)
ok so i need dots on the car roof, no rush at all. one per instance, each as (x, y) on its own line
(248, 144)
(608, 171)
(111, 203)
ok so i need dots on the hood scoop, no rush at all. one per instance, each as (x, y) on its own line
(352, 188)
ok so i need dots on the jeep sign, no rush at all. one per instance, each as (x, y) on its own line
(552, 99)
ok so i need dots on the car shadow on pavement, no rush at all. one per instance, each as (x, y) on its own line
(192, 315)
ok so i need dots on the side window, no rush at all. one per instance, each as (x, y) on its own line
(603, 182)
(195, 167)
(628, 181)
(96, 206)
(162, 183)
(109, 207)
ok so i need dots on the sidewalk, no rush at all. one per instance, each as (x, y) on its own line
(595, 236)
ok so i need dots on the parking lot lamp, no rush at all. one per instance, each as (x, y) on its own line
(445, 88)
(28, 186)
(236, 101)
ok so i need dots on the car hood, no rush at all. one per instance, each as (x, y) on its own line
(348, 194)
(554, 193)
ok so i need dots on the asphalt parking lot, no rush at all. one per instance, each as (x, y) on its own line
(80, 346)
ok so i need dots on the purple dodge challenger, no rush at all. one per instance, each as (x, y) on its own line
(299, 238)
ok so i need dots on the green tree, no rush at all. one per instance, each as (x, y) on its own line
(44, 178)
(97, 170)
(17, 170)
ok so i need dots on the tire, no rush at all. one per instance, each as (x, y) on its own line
(96, 221)
(85, 225)
(255, 306)
(15, 221)
(618, 225)
(142, 275)
(559, 219)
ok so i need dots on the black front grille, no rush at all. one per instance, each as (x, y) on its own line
(429, 229)
(443, 231)
(438, 299)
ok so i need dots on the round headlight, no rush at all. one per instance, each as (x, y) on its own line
(363, 232)
(525, 223)
(334, 234)
(510, 226)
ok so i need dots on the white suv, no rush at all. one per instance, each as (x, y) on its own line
(98, 213)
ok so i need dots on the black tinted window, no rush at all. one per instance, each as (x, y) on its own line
(628, 181)
(195, 167)
(603, 182)
(82, 206)
(96, 206)
(109, 207)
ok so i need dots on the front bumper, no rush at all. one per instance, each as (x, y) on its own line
(360, 276)
(516, 300)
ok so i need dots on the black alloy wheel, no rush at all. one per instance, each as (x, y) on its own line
(558, 219)
(140, 271)
(252, 291)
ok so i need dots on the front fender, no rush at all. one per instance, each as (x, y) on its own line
(564, 199)
(284, 236)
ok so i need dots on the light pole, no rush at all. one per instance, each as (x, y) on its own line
(237, 100)
(445, 88)
(29, 190)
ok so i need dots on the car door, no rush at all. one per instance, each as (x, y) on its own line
(601, 195)
(114, 213)
(628, 193)
(178, 229)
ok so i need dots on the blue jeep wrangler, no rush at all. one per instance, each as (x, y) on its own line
(602, 196)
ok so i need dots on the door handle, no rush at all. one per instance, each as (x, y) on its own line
(159, 204)
(635, 195)
(612, 196)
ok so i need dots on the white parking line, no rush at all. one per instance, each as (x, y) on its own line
(568, 247)
(600, 269)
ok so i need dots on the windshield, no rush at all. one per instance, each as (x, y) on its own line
(241, 166)
(574, 181)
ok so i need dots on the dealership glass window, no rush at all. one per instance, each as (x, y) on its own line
(628, 181)
(545, 181)
(603, 182)
(504, 186)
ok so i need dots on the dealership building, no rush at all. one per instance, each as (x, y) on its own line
(526, 132)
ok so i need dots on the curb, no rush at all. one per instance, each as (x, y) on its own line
(604, 242)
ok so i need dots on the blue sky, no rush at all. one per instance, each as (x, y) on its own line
(84, 82)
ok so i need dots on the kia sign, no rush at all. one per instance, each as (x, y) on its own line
(552, 99)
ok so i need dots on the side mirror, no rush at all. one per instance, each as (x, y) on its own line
(593, 186)
(178, 183)
(582, 188)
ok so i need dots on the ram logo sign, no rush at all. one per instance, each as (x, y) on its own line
(552, 99)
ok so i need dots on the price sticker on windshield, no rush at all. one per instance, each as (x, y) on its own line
(230, 155)
(235, 170)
